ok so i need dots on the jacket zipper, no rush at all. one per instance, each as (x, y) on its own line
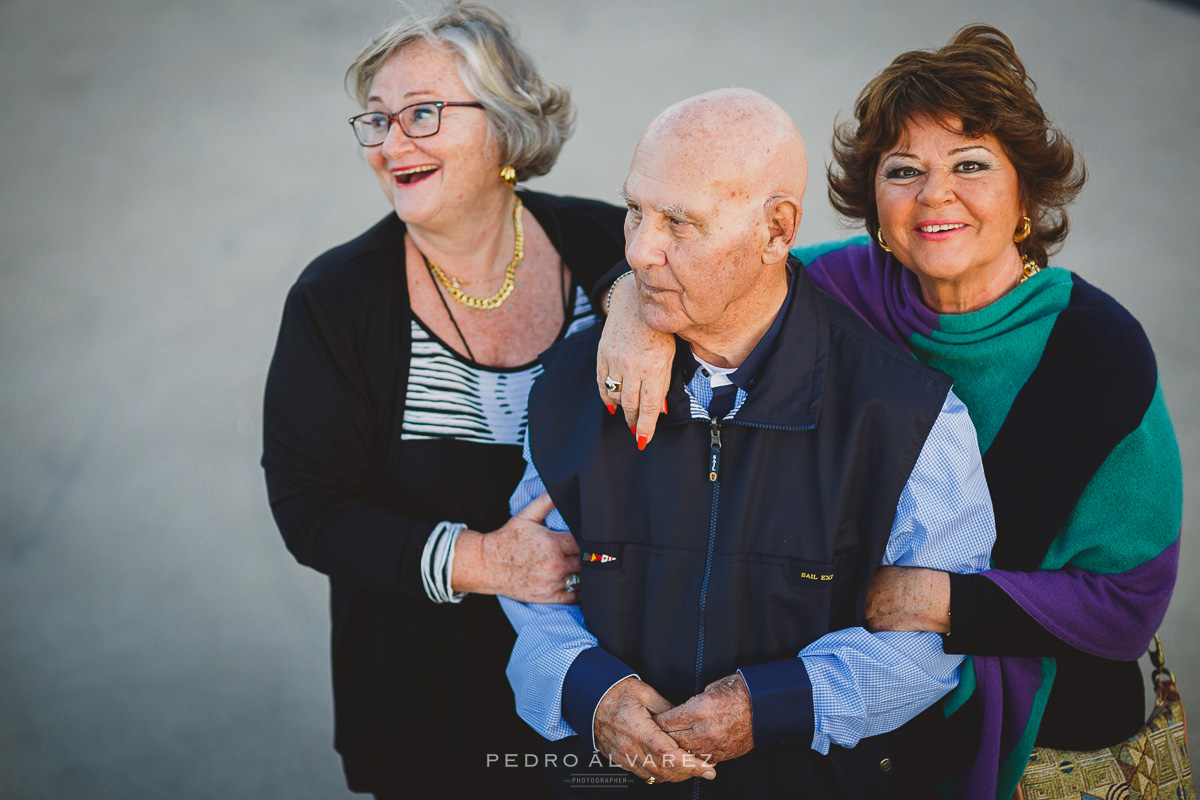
(714, 477)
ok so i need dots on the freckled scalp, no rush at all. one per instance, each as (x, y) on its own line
(735, 137)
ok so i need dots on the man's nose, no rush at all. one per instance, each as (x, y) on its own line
(643, 245)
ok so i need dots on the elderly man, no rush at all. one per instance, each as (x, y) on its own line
(724, 569)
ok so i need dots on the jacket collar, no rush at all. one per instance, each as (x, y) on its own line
(784, 375)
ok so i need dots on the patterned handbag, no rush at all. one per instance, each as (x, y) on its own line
(1151, 764)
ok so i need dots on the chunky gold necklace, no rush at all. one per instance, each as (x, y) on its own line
(451, 285)
(1029, 268)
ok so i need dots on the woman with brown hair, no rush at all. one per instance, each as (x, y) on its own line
(962, 184)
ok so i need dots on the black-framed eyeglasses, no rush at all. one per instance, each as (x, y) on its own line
(418, 121)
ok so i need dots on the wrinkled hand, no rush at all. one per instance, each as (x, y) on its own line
(717, 723)
(523, 559)
(908, 599)
(638, 357)
(627, 733)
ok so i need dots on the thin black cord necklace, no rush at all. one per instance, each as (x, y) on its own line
(441, 296)
(562, 287)
(562, 284)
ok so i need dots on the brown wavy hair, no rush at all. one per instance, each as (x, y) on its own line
(978, 79)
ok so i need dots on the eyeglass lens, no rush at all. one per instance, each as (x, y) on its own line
(422, 119)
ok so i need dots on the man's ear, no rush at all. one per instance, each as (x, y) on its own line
(783, 219)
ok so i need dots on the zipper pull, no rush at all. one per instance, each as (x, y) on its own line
(714, 454)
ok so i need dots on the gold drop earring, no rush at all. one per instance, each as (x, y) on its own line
(1023, 231)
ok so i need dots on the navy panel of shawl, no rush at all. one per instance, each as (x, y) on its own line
(1067, 418)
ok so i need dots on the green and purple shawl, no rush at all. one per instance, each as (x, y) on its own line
(1081, 460)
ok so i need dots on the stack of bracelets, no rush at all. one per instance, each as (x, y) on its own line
(437, 563)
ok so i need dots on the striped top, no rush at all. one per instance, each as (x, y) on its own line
(451, 396)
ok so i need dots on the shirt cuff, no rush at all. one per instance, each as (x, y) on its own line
(591, 675)
(781, 702)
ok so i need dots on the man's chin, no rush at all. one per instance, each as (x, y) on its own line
(657, 318)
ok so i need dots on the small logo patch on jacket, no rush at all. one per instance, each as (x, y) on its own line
(598, 557)
(815, 576)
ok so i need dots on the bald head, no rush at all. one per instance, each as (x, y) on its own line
(739, 137)
(714, 202)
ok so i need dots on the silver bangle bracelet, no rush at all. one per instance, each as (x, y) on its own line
(437, 563)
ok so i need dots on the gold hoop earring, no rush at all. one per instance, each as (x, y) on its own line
(508, 175)
(882, 243)
(1024, 231)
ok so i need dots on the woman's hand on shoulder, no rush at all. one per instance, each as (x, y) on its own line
(523, 559)
(637, 357)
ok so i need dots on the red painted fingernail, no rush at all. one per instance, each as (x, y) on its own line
(633, 430)
(642, 442)
(664, 406)
(611, 408)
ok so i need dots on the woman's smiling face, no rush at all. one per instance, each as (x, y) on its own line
(440, 176)
(948, 207)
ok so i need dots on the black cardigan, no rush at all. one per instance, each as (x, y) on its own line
(336, 479)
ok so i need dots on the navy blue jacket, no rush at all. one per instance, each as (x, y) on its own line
(741, 566)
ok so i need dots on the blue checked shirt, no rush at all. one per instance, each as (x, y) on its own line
(863, 684)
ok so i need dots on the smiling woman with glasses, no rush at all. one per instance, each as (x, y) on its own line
(395, 407)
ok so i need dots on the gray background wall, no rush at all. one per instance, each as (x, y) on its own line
(167, 169)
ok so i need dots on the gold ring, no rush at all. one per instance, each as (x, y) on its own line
(611, 385)
(651, 780)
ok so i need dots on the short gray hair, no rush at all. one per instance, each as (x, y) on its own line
(530, 118)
